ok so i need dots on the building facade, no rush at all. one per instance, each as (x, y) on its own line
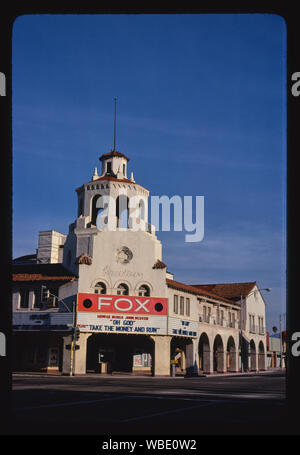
(276, 350)
(107, 278)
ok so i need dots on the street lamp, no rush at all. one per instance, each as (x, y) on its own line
(256, 290)
(280, 331)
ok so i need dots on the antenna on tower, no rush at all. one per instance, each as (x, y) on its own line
(115, 123)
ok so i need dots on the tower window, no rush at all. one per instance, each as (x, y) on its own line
(100, 288)
(142, 209)
(108, 167)
(144, 291)
(97, 207)
(122, 289)
(124, 169)
(122, 211)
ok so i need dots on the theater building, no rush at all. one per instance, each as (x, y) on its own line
(132, 316)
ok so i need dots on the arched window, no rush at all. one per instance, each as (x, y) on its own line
(97, 207)
(122, 289)
(122, 211)
(144, 290)
(100, 288)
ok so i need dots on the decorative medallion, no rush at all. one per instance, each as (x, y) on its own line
(124, 255)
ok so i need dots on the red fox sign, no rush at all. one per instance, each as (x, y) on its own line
(116, 304)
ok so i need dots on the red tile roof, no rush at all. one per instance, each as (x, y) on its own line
(195, 290)
(108, 177)
(232, 291)
(113, 153)
(41, 272)
(38, 277)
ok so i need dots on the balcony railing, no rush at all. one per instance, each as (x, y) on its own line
(218, 321)
(236, 324)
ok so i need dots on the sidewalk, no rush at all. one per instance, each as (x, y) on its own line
(277, 371)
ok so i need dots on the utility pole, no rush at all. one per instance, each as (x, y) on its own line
(75, 336)
(72, 343)
(280, 341)
(241, 337)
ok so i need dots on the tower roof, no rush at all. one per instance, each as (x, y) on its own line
(113, 153)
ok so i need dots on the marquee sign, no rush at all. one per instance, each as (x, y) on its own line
(137, 325)
(122, 314)
(122, 304)
(183, 328)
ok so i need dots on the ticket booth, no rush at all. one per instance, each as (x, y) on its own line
(105, 361)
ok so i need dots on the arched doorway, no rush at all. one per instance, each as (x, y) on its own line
(204, 353)
(261, 356)
(231, 358)
(107, 353)
(252, 352)
(179, 347)
(218, 355)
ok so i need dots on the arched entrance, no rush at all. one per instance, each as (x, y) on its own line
(179, 347)
(107, 353)
(261, 356)
(252, 352)
(204, 353)
(231, 358)
(218, 355)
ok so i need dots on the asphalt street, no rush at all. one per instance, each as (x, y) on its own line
(101, 405)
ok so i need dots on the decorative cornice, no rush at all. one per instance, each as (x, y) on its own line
(84, 259)
(159, 265)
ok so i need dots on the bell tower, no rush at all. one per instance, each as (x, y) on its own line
(112, 193)
(111, 241)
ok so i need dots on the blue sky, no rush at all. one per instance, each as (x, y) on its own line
(201, 111)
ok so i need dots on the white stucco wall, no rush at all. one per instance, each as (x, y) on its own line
(106, 267)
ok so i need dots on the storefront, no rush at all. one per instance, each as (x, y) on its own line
(38, 341)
